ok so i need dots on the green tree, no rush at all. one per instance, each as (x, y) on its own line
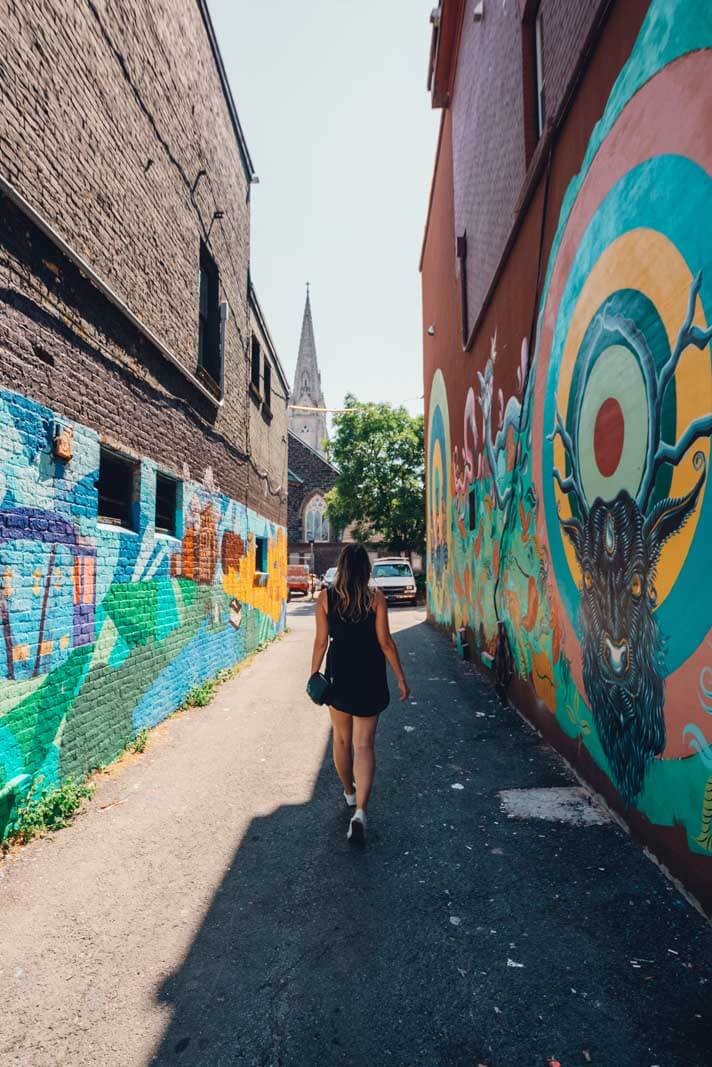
(378, 450)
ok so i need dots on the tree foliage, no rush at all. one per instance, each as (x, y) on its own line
(380, 491)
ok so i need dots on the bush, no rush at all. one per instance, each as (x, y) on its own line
(42, 812)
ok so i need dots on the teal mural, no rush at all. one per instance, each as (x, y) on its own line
(577, 509)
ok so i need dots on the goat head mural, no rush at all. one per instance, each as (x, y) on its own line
(622, 425)
(617, 539)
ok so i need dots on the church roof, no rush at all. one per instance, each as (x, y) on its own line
(293, 437)
(307, 379)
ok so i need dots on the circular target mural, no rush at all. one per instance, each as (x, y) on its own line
(438, 501)
(622, 423)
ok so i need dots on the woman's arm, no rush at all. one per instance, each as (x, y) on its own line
(321, 641)
(388, 645)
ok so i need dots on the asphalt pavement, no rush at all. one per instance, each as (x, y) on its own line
(206, 909)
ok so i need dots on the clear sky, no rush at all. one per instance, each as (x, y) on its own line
(332, 98)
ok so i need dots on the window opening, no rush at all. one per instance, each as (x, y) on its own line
(209, 357)
(261, 555)
(116, 488)
(166, 504)
(255, 364)
(539, 59)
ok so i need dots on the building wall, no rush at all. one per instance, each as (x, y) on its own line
(493, 119)
(110, 150)
(105, 631)
(591, 543)
(111, 112)
(317, 476)
(267, 432)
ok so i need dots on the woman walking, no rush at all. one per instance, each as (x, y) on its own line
(354, 615)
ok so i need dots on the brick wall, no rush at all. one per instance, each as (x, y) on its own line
(536, 517)
(566, 26)
(111, 110)
(106, 630)
(267, 428)
(492, 108)
(110, 113)
(317, 476)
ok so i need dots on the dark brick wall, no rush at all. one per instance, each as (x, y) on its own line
(316, 475)
(267, 433)
(487, 139)
(489, 120)
(566, 25)
(110, 112)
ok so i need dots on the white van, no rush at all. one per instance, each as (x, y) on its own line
(394, 577)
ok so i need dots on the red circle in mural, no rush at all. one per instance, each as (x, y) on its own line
(608, 436)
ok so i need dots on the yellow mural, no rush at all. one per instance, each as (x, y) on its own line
(265, 591)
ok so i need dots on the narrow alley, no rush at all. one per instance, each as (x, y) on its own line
(207, 909)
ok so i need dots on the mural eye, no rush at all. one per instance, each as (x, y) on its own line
(652, 594)
(636, 586)
(587, 579)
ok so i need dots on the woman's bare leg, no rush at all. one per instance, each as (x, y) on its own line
(342, 740)
(364, 733)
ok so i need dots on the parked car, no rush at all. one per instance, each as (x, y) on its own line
(328, 580)
(395, 578)
(298, 579)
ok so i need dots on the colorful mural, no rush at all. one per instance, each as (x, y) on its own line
(105, 630)
(576, 509)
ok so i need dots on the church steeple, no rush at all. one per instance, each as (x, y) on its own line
(310, 426)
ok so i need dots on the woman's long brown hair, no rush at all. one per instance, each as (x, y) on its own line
(354, 595)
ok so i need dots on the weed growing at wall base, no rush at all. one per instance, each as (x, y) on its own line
(201, 696)
(43, 812)
(139, 742)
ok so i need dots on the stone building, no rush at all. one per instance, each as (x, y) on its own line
(312, 537)
(308, 425)
(143, 409)
(567, 319)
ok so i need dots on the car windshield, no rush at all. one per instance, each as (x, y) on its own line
(392, 570)
(330, 573)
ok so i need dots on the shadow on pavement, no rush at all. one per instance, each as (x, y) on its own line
(457, 936)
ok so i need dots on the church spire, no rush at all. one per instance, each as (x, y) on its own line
(310, 426)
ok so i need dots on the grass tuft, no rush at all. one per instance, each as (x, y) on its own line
(139, 742)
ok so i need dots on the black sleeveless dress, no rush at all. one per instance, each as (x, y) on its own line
(355, 664)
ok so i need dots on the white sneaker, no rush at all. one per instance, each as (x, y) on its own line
(357, 828)
(350, 799)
